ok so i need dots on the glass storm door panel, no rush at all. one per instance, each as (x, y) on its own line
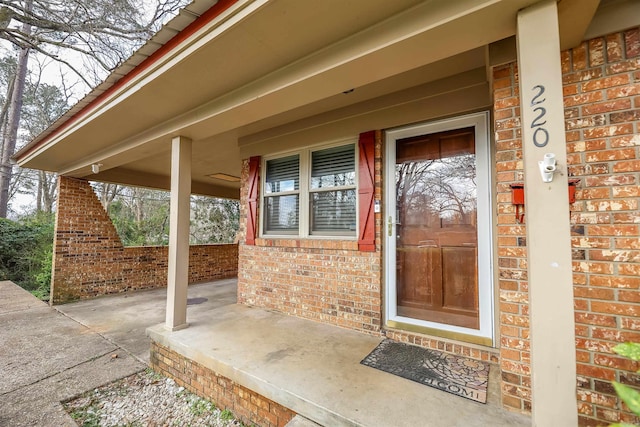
(436, 228)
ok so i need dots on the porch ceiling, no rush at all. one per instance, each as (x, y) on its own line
(261, 65)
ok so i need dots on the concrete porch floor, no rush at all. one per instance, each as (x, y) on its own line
(311, 368)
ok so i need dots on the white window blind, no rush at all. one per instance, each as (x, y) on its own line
(312, 192)
(282, 195)
(333, 191)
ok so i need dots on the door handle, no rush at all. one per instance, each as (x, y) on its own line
(390, 226)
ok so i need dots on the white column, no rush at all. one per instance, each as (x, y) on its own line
(178, 266)
(553, 362)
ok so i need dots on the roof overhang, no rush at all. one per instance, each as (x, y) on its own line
(247, 66)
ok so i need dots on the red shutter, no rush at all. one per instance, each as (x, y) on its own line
(366, 191)
(252, 200)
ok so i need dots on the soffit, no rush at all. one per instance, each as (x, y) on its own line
(221, 153)
(182, 20)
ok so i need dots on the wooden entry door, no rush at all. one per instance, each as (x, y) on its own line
(436, 228)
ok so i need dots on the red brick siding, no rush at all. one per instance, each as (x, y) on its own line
(332, 282)
(602, 100)
(602, 111)
(513, 309)
(325, 280)
(90, 260)
(602, 104)
(248, 406)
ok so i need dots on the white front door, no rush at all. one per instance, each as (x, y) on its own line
(438, 252)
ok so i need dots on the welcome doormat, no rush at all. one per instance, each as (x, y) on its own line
(454, 374)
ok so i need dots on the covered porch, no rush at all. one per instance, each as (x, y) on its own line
(244, 99)
(311, 368)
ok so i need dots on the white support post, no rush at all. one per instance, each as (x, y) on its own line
(553, 361)
(178, 265)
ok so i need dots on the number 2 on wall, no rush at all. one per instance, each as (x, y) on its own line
(540, 134)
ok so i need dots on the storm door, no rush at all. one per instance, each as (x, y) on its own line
(437, 235)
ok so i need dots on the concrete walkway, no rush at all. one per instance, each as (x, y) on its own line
(46, 358)
(124, 318)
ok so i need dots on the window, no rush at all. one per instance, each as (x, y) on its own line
(312, 192)
(333, 190)
(282, 195)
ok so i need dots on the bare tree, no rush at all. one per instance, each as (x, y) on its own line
(14, 102)
(107, 193)
(42, 105)
(102, 32)
(46, 195)
(434, 190)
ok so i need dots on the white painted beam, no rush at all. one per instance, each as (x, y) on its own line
(553, 362)
(178, 265)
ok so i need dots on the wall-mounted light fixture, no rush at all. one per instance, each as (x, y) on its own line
(547, 167)
(224, 177)
(95, 168)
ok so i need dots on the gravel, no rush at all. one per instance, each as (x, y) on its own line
(146, 399)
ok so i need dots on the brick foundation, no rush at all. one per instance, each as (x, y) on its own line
(602, 109)
(90, 260)
(248, 406)
(447, 346)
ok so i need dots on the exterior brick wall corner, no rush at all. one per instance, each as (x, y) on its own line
(601, 85)
(89, 259)
(247, 405)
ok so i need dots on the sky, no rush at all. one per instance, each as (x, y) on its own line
(49, 71)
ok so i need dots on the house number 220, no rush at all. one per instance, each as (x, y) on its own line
(540, 134)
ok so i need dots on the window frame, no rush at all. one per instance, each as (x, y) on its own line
(275, 194)
(305, 193)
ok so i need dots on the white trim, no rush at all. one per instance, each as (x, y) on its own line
(485, 220)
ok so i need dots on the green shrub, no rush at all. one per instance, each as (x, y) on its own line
(628, 395)
(26, 252)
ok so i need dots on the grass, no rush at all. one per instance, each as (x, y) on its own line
(153, 374)
(86, 416)
(200, 406)
(226, 415)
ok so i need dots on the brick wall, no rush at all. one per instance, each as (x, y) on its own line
(325, 280)
(248, 406)
(602, 109)
(471, 351)
(513, 309)
(90, 260)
